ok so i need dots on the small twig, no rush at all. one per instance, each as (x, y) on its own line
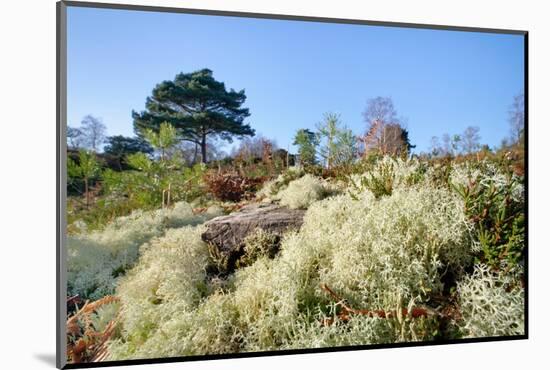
(74, 300)
(347, 311)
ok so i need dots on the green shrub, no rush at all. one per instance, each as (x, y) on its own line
(494, 203)
(386, 175)
(379, 183)
(126, 191)
(85, 168)
(152, 186)
(439, 172)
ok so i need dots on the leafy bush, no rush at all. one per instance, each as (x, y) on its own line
(97, 259)
(155, 184)
(86, 169)
(439, 172)
(382, 183)
(492, 304)
(152, 183)
(126, 191)
(494, 203)
(255, 170)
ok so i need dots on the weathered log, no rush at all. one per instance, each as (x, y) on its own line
(226, 234)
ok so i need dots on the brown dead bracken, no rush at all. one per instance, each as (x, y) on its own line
(84, 343)
(347, 311)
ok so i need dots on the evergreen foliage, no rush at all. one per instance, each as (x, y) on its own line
(306, 141)
(198, 106)
(337, 143)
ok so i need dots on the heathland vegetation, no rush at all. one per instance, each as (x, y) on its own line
(394, 246)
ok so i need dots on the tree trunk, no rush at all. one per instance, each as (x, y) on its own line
(86, 192)
(330, 152)
(288, 150)
(203, 148)
(195, 155)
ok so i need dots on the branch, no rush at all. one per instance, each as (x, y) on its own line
(347, 311)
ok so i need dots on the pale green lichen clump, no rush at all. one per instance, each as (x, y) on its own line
(95, 260)
(303, 192)
(378, 254)
(492, 304)
(387, 175)
(487, 174)
(272, 189)
(377, 250)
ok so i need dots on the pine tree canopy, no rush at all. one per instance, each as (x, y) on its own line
(198, 106)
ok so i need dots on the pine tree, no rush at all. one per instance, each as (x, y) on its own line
(198, 106)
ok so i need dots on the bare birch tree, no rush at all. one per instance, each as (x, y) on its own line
(93, 132)
(516, 117)
(470, 140)
(384, 131)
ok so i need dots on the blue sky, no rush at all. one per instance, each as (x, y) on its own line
(294, 71)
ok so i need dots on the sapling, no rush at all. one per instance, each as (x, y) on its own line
(87, 168)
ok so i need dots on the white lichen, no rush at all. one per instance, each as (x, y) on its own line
(492, 304)
(378, 254)
(303, 192)
(97, 259)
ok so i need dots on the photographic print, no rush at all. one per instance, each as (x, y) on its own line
(245, 185)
